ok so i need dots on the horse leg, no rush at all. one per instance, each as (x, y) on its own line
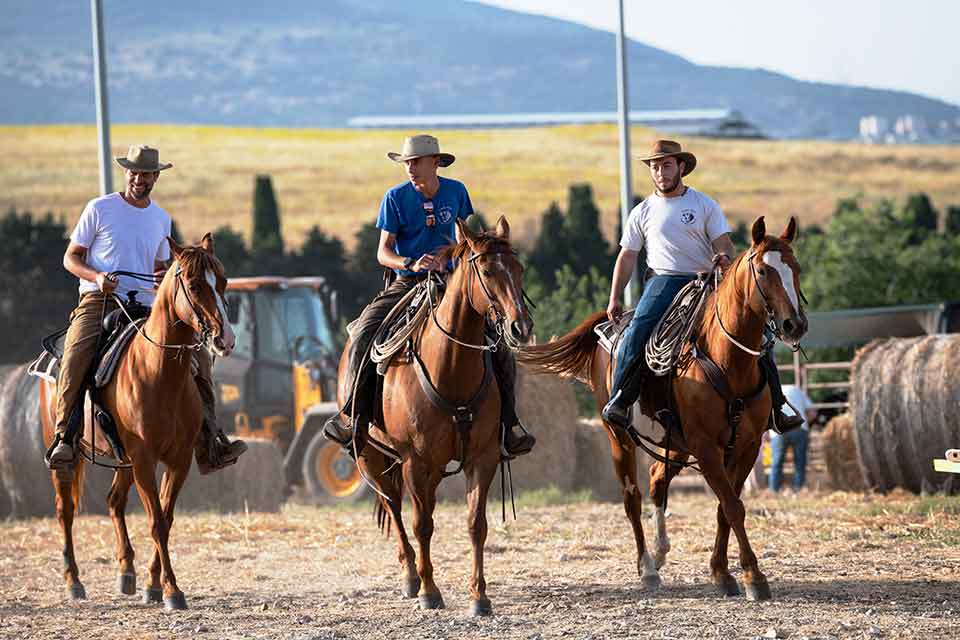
(170, 485)
(660, 476)
(718, 561)
(117, 505)
(422, 483)
(624, 453)
(478, 477)
(731, 514)
(375, 465)
(160, 569)
(63, 483)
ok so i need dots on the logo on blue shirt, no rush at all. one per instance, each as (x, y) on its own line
(445, 214)
(687, 216)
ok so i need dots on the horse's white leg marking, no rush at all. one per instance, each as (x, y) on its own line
(661, 543)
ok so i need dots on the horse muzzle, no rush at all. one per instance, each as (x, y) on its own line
(223, 345)
(794, 328)
(521, 330)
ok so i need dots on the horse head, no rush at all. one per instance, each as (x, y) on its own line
(776, 275)
(495, 277)
(199, 285)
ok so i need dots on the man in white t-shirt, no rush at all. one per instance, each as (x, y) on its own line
(798, 439)
(681, 230)
(123, 231)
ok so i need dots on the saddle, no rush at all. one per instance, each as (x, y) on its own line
(102, 435)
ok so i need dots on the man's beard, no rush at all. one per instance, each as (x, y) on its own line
(673, 185)
(141, 193)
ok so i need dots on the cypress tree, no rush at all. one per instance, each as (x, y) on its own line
(267, 238)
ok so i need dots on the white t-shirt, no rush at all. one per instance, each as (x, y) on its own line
(799, 399)
(676, 232)
(121, 237)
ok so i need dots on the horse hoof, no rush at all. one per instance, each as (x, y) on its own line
(176, 602)
(659, 559)
(651, 582)
(77, 592)
(758, 590)
(481, 607)
(411, 586)
(127, 584)
(728, 586)
(432, 601)
(152, 596)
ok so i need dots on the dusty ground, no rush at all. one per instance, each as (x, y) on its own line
(840, 565)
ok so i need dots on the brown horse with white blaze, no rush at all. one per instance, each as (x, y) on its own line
(450, 347)
(157, 409)
(762, 283)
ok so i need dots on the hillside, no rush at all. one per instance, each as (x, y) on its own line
(307, 64)
(335, 178)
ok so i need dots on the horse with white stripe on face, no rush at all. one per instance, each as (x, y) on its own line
(761, 284)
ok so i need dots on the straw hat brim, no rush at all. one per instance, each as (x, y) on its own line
(126, 164)
(445, 159)
(688, 159)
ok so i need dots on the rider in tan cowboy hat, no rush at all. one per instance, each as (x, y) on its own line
(417, 217)
(107, 238)
(682, 232)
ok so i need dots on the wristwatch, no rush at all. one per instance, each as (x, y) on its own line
(408, 263)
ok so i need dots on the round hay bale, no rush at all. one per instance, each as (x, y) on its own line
(840, 455)
(904, 398)
(548, 408)
(23, 475)
(594, 469)
(256, 482)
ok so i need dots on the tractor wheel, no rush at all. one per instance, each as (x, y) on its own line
(329, 474)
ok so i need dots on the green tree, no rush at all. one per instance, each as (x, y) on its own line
(586, 246)
(267, 237)
(919, 216)
(952, 222)
(550, 249)
(477, 222)
(229, 247)
(175, 232)
(323, 254)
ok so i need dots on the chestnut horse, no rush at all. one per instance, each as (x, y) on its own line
(155, 404)
(486, 280)
(761, 284)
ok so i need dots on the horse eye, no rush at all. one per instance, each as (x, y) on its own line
(486, 273)
(762, 271)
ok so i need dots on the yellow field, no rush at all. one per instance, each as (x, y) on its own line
(335, 178)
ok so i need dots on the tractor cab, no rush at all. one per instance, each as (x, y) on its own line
(280, 383)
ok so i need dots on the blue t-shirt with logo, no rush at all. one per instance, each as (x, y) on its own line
(402, 213)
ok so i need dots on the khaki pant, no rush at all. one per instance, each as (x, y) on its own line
(80, 348)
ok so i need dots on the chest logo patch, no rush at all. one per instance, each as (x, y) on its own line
(445, 214)
(687, 216)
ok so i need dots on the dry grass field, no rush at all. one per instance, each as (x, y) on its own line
(840, 565)
(335, 178)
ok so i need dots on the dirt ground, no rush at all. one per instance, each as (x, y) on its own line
(840, 565)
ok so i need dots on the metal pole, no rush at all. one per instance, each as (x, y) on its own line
(100, 87)
(623, 117)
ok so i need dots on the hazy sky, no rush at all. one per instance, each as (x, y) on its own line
(884, 43)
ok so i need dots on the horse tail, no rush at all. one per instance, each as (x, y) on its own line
(393, 479)
(570, 356)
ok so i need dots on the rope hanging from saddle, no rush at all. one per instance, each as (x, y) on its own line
(666, 349)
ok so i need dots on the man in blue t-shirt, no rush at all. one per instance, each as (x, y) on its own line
(417, 218)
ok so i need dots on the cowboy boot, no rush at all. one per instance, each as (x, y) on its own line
(212, 449)
(517, 441)
(358, 411)
(617, 411)
(780, 422)
(62, 453)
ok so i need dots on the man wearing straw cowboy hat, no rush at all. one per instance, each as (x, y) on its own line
(417, 217)
(122, 231)
(682, 232)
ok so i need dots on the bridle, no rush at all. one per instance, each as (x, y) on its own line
(205, 333)
(769, 321)
(499, 318)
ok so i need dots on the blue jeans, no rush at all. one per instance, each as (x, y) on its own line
(797, 440)
(658, 293)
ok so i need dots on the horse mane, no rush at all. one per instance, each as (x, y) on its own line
(198, 260)
(459, 251)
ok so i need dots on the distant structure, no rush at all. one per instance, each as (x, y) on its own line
(720, 123)
(907, 129)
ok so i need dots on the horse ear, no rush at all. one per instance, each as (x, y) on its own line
(503, 228)
(759, 231)
(175, 249)
(790, 233)
(465, 231)
(206, 242)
